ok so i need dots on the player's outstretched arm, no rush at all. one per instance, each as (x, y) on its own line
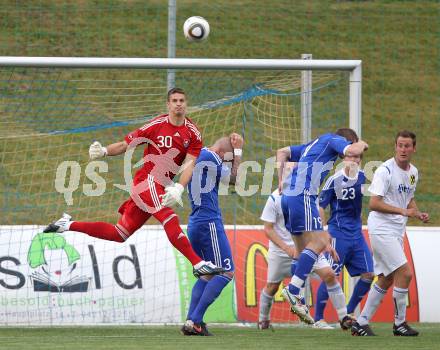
(282, 156)
(115, 149)
(188, 167)
(96, 150)
(173, 193)
(322, 215)
(357, 148)
(237, 144)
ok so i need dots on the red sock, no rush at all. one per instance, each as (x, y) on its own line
(179, 240)
(101, 230)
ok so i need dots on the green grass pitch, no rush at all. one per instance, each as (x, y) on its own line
(168, 337)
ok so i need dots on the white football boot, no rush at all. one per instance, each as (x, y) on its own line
(297, 307)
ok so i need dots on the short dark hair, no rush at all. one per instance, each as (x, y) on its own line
(175, 90)
(406, 134)
(348, 133)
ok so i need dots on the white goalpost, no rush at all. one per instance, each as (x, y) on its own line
(353, 66)
(53, 108)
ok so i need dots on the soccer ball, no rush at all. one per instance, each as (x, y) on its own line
(196, 29)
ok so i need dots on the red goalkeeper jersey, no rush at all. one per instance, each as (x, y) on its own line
(166, 146)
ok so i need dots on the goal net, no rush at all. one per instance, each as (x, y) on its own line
(48, 118)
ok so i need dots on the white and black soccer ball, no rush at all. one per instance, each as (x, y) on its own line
(196, 29)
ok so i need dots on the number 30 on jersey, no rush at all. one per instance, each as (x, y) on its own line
(165, 141)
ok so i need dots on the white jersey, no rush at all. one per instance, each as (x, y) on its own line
(273, 213)
(397, 187)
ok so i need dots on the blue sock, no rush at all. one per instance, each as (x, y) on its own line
(321, 301)
(306, 260)
(292, 271)
(211, 292)
(196, 294)
(293, 266)
(362, 287)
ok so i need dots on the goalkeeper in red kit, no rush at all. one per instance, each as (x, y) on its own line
(171, 141)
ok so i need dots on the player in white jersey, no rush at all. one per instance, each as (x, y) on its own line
(281, 254)
(391, 203)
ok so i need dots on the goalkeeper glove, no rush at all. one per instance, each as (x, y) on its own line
(173, 195)
(97, 151)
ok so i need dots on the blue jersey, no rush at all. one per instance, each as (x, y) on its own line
(344, 195)
(315, 160)
(205, 227)
(204, 184)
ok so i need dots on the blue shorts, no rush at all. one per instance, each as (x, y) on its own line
(354, 254)
(301, 213)
(210, 242)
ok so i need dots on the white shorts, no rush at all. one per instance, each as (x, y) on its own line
(388, 253)
(321, 263)
(279, 267)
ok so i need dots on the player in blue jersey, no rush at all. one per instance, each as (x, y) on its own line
(205, 226)
(281, 258)
(299, 203)
(343, 192)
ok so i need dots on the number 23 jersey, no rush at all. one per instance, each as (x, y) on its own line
(344, 195)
